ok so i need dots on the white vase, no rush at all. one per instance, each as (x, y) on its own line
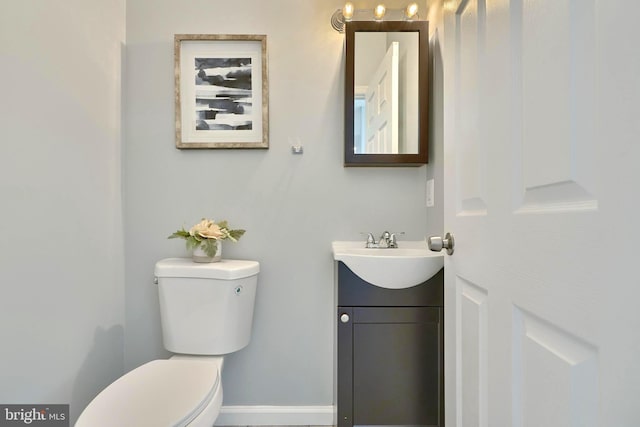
(199, 255)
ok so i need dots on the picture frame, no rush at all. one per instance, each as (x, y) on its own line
(221, 91)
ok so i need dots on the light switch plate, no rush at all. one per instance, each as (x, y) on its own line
(430, 190)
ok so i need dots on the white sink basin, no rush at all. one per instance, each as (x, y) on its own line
(408, 265)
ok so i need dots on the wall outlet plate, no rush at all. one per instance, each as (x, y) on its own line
(430, 190)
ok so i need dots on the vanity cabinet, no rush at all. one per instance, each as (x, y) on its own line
(390, 353)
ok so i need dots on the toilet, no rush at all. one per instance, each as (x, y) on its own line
(206, 310)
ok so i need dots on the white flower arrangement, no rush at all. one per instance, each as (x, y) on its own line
(206, 234)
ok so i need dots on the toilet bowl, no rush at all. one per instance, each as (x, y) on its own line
(206, 312)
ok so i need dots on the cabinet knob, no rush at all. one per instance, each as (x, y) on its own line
(344, 318)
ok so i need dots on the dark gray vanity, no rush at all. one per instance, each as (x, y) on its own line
(390, 352)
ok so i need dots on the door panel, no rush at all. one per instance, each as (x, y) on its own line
(472, 365)
(541, 108)
(555, 105)
(391, 360)
(382, 105)
(470, 50)
(555, 375)
(390, 366)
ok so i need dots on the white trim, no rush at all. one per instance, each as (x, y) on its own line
(276, 416)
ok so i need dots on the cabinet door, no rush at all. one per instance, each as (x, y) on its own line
(395, 367)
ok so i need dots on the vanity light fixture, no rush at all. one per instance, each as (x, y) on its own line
(347, 11)
(379, 13)
(411, 11)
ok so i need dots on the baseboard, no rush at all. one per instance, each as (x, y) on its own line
(276, 416)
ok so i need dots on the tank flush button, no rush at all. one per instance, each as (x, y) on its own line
(238, 290)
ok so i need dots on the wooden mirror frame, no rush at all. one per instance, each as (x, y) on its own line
(422, 157)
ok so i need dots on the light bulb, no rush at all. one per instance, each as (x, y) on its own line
(379, 11)
(347, 11)
(411, 11)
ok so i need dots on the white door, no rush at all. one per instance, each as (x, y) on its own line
(382, 105)
(542, 137)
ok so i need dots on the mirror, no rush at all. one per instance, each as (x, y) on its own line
(386, 93)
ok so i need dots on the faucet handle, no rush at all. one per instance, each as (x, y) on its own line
(393, 243)
(371, 241)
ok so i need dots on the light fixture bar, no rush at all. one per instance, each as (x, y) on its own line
(378, 14)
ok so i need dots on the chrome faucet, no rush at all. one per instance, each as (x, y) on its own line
(387, 240)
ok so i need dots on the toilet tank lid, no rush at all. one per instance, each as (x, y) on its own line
(226, 269)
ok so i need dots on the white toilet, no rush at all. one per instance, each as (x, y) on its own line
(206, 311)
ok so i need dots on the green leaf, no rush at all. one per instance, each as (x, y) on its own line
(210, 247)
(182, 234)
(192, 242)
(236, 234)
(223, 224)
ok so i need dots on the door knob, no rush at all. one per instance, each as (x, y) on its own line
(437, 243)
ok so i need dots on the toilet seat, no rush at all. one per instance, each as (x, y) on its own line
(160, 393)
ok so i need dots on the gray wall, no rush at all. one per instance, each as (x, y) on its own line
(292, 206)
(435, 169)
(62, 303)
(63, 306)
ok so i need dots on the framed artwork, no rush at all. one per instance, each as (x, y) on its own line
(221, 91)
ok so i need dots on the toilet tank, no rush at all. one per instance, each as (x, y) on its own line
(206, 308)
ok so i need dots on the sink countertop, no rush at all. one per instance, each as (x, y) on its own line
(411, 264)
